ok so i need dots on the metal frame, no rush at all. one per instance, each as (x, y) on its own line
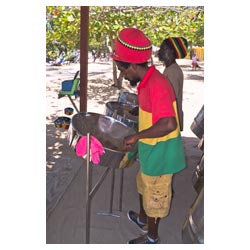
(90, 192)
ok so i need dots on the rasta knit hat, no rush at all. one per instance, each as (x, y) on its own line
(179, 44)
(132, 46)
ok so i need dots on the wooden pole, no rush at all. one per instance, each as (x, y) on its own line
(84, 36)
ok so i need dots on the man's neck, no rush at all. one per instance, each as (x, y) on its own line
(143, 72)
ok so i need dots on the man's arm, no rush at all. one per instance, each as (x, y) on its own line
(161, 128)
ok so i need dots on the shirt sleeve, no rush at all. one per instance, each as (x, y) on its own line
(162, 101)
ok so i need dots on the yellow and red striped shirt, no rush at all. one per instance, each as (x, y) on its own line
(162, 155)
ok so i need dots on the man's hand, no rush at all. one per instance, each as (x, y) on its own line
(129, 141)
(128, 159)
(134, 111)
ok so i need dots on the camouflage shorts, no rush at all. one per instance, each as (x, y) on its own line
(156, 192)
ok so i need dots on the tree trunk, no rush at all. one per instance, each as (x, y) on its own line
(119, 81)
(115, 80)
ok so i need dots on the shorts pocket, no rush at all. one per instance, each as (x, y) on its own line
(159, 199)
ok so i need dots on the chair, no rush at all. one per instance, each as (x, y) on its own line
(69, 88)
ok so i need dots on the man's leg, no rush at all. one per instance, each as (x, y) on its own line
(142, 215)
(155, 193)
(164, 186)
(153, 223)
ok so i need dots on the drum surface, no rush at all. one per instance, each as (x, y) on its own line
(129, 98)
(198, 124)
(120, 111)
(198, 176)
(107, 130)
(193, 227)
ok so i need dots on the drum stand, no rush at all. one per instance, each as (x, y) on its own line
(91, 192)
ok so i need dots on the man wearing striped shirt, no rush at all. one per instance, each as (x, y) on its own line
(160, 146)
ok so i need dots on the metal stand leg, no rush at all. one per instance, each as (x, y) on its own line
(73, 103)
(112, 190)
(91, 192)
(88, 185)
(121, 189)
(110, 212)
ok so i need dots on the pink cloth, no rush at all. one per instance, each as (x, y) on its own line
(96, 148)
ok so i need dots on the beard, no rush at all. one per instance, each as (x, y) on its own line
(133, 83)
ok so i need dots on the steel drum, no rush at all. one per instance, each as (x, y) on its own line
(198, 176)
(193, 227)
(107, 130)
(198, 124)
(129, 98)
(120, 111)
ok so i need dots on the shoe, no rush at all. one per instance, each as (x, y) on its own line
(143, 240)
(133, 216)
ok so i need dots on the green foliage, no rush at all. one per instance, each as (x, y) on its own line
(62, 29)
(158, 23)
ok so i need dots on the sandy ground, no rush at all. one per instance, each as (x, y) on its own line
(100, 91)
(64, 182)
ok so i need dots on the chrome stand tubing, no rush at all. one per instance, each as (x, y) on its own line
(112, 190)
(121, 189)
(88, 185)
(90, 192)
(110, 212)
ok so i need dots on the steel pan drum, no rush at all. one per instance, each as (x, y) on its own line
(107, 130)
(120, 111)
(198, 176)
(198, 124)
(129, 98)
(193, 227)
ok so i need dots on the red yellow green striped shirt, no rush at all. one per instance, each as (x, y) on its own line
(163, 155)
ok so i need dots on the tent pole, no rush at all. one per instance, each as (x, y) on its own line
(84, 36)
